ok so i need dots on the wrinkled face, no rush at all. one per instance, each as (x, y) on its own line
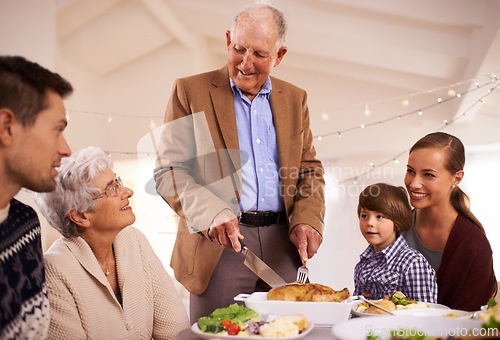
(252, 52)
(38, 149)
(112, 213)
(376, 229)
(428, 182)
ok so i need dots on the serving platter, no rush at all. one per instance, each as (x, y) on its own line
(360, 328)
(432, 306)
(322, 314)
(196, 330)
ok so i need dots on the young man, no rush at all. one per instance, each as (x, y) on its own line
(32, 121)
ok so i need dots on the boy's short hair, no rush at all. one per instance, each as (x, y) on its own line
(389, 200)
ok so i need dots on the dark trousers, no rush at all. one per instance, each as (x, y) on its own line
(231, 277)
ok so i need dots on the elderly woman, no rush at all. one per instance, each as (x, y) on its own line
(104, 280)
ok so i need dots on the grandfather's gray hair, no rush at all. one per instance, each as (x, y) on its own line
(279, 19)
(74, 189)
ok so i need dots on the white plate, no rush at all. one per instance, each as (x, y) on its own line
(431, 306)
(196, 330)
(436, 312)
(359, 328)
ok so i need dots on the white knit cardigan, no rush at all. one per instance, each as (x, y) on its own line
(82, 302)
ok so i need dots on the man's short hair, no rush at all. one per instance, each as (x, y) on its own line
(279, 20)
(24, 85)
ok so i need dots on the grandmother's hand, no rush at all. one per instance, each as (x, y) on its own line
(225, 230)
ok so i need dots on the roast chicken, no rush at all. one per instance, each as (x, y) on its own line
(314, 292)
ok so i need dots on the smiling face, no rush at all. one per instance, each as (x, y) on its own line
(252, 51)
(38, 149)
(428, 182)
(376, 229)
(111, 213)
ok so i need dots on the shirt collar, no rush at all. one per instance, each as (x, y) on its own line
(388, 251)
(266, 88)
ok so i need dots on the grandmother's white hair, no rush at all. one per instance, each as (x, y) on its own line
(74, 189)
(279, 19)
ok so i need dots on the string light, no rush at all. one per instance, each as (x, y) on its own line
(367, 111)
(439, 101)
(325, 115)
(452, 92)
(405, 102)
(394, 159)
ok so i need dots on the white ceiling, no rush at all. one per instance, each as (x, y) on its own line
(347, 54)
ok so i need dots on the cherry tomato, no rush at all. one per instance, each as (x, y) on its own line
(226, 324)
(234, 329)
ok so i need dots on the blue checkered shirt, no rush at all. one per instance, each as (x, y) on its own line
(397, 267)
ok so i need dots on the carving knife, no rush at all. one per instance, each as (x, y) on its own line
(262, 270)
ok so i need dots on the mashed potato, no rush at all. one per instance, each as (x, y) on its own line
(279, 328)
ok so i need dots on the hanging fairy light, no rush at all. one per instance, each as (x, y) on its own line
(367, 111)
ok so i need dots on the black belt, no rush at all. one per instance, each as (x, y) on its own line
(262, 218)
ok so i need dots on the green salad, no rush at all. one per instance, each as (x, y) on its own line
(400, 299)
(236, 313)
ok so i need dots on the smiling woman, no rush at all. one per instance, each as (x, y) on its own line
(444, 229)
(103, 271)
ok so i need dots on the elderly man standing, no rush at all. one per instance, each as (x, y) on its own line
(32, 121)
(280, 206)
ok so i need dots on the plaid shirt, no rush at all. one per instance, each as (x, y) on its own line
(397, 267)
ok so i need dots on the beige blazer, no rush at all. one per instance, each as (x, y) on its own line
(83, 305)
(195, 187)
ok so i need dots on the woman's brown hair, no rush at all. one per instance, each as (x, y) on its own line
(454, 161)
(388, 200)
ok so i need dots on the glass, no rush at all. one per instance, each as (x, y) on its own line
(112, 190)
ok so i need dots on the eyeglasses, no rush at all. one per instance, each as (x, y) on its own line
(112, 190)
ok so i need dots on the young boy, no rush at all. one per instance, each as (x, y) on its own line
(388, 264)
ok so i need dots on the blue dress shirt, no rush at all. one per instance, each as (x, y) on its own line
(258, 150)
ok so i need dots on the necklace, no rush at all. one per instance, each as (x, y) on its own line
(106, 270)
